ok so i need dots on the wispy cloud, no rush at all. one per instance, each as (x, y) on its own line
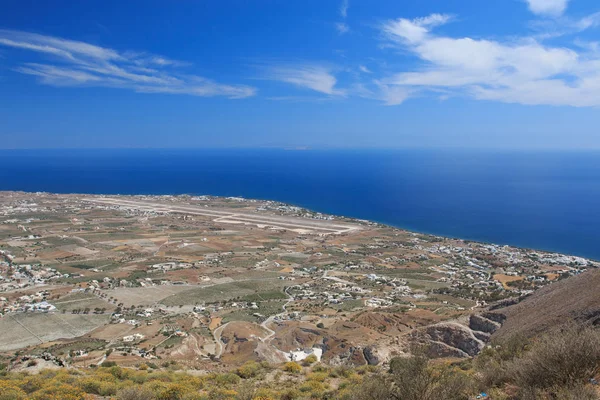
(516, 71)
(550, 28)
(552, 8)
(66, 62)
(364, 69)
(390, 95)
(344, 8)
(393, 95)
(315, 77)
(342, 27)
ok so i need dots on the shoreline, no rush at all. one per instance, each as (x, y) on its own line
(336, 216)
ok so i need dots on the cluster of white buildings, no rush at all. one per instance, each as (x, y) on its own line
(28, 303)
(170, 266)
(133, 338)
(468, 266)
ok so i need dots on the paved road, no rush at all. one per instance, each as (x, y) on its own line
(217, 337)
(333, 278)
(267, 321)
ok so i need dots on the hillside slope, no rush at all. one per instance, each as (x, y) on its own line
(573, 299)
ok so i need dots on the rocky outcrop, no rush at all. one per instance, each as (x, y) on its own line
(449, 337)
(442, 350)
(495, 316)
(483, 336)
(480, 323)
(504, 303)
(370, 356)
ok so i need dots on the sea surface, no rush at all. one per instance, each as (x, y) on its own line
(544, 200)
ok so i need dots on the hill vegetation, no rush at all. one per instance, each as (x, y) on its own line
(561, 364)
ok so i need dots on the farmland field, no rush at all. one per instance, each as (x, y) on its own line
(145, 295)
(225, 291)
(21, 330)
(81, 301)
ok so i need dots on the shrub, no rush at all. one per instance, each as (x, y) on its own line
(32, 383)
(290, 394)
(316, 389)
(264, 394)
(108, 364)
(60, 391)
(317, 377)
(107, 389)
(223, 394)
(561, 358)
(341, 371)
(90, 385)
(310, 360)
(577, 392)
(249, 370)
(320, 368)
(172, 391)
(245, 391)
(10, 391)
(161, 376)
(120, 373)
(135, 393)
(492, 362)
(227, 379)
(414, 380)
(375, 388)
(292, 367)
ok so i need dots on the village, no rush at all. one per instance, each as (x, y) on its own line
(206, 280)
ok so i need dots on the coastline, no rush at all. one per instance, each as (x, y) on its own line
(336, 217)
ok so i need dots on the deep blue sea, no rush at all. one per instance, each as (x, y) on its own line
(545, 200)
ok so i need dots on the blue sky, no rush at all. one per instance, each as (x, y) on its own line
(318, 74)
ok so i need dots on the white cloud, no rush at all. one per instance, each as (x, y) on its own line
(74, 63)
(522, 71)
(415, 30)
(344, 8)
(393, 95)
(342, 28)
(311, 76)
(364, 69)
(548, 7)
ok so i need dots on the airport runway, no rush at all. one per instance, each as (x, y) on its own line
(290, 223)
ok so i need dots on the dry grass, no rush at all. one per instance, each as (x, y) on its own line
(505, 279)
(570, 299)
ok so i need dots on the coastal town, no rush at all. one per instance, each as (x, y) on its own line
(210, 282)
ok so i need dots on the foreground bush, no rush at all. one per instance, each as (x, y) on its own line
(558, 365)
(561, 358)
